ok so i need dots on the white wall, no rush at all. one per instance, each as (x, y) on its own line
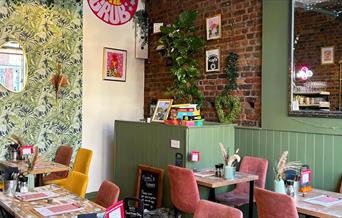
(106, 101)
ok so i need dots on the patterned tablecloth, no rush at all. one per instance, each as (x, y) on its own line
(23, 209)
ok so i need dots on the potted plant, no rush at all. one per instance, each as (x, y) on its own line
(280, 169)
(179, 45)
(142, 22)
(230, 162)
(228, 107)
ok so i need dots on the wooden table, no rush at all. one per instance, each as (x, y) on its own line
(318, 210)
(216, 182)
(39, 169)
(24, 209)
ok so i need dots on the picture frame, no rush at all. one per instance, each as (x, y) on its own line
(162, 110)
(327, 55)
(212, 60)
(149, 183)
(214, 27)
(114, 64)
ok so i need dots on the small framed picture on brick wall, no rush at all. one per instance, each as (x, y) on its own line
(212, 60)
(214, 27)
(327, 55)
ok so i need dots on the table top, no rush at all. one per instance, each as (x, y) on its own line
(216, 182)
(318, 210)
(24, 209)
(40, 167)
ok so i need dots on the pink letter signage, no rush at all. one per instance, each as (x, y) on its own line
(114, 12)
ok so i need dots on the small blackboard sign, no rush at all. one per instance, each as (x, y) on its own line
(149, 187)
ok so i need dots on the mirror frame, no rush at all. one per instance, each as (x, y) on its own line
(26, 68)
(300, 113)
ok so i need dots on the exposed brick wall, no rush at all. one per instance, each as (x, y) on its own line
(241, 33)
(315, 31)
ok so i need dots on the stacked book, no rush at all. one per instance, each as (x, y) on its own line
(185, 112)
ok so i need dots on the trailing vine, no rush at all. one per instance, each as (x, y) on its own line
(179, 44)
(142, 21)
(225, 101)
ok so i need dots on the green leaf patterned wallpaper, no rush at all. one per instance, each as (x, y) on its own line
(50, 34)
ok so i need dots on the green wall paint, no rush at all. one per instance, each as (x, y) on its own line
(275, 41)
(144, 143)
(322, 152)
(49, 35)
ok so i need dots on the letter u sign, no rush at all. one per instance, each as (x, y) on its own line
(114, 12)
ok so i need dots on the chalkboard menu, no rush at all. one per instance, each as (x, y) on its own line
(150, 186)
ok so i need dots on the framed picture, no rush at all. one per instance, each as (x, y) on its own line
(162, 110)
(212, 60)
(114, 64)
(327, 55)
(214, 27)
(149, 186)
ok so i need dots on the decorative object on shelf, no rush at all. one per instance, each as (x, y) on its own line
(230, 162)
(228, 107)
(212, 60)
(114, 64)
(179, 44)
(280, 169)
(162, 110)
(114, 12)
(58, 80)
(214, 27)
(327, 55)
(142, 26)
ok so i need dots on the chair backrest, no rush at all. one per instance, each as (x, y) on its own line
(341, 187)
(63, 156)
(108, 194)
(77, 183)
(208, 209)
(183, 189)
(82, 161)
(256, 166)
(272, 204)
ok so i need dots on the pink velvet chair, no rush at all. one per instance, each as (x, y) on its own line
(271, 204)
(240, 195)
(108, 194)
(208, 209)
(63, 156)
(183, 189)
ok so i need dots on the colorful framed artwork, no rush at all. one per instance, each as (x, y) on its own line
(212, 60)
(114, 64)
(214, 27)
(327, 55)
(162, 110)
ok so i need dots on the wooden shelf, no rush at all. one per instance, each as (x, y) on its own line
(312, 93)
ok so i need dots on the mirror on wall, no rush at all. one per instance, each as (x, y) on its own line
(13, 67)
(316, 58)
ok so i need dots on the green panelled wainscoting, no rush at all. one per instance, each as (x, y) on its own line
(149, 143)
(322, 152)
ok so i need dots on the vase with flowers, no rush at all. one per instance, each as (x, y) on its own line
(280, 169)
(230, 162)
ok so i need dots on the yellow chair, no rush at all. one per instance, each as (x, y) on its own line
(81, 164)
(77, 183)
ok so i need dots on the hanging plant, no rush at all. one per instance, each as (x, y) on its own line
(142, 22)
(228, 107)
(179, 45)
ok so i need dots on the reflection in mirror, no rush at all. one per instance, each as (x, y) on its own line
(12, 67)
(316, 57)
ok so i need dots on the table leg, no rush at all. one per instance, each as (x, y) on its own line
(251, 198)
(212, 195)
(39, 180)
